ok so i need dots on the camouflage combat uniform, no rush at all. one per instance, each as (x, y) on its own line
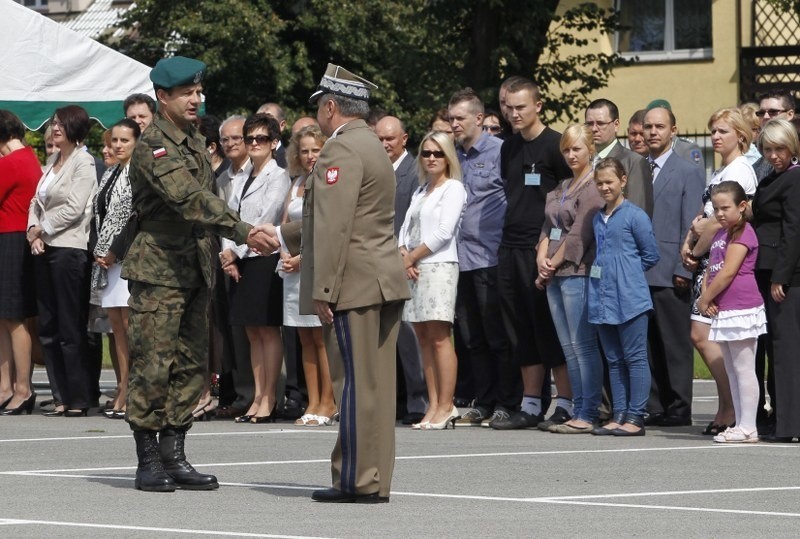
(168, 267)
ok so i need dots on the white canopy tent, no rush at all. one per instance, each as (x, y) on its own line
(44, 65)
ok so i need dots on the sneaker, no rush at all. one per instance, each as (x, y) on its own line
(498, 414)
(559, 417)
(736, 435)
(517, 420)
(472, 417)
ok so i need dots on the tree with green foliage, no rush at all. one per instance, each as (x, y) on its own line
(418, 52)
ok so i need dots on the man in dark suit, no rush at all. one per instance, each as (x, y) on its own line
(602, 117)
(392, 134)
(677, 186)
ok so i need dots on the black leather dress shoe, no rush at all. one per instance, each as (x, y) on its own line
(412, 417)
(653, 420)
(675, 421)
(773, 439)
(332, 495)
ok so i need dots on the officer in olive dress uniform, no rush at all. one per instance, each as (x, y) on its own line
(168, 267)
(352, 277)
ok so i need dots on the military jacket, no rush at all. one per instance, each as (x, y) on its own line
(350, 256)
(172, 186)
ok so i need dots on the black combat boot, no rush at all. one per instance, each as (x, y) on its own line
(173, 458)
(150, 474)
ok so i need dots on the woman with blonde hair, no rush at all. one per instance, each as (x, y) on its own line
(775, 218)
(565, 254)
(731, 136)
(304, 149)
(427, 242)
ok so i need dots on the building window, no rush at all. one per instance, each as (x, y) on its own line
(34, 4)
(665, 29)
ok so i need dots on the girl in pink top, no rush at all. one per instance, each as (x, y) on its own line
(730, 297)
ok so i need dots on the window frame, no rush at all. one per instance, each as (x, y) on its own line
(38, 5)
(670, 53)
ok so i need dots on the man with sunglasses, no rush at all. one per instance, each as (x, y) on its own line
(774, 105)
(169, 271)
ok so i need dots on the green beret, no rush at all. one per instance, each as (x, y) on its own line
(659, 104)
(177, 71)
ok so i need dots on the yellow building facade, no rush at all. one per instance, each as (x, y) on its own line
(696, 82)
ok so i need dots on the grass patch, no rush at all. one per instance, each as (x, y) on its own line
(700, 370)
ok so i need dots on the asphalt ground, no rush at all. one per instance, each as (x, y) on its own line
(73, 477)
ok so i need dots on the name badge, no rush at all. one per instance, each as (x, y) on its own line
(595, 272)
(533, 179)
(555, 234)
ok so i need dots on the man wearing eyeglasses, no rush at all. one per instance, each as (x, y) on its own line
(602, 117)
(169, 272)
(774, 105)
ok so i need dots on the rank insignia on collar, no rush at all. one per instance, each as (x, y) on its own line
(159, 152)
(332, 175)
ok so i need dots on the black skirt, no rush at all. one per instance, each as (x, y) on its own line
(257, 299)
(17, 289)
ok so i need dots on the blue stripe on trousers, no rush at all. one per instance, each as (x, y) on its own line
(347, 419)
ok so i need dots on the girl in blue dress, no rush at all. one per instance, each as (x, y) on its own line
(619, 298)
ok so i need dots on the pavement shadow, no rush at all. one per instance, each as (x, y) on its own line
(121, 482)
(289, 491)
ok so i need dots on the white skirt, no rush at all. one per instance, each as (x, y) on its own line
(737, 325)
(116, 293)
(291, 304)
(433, 294)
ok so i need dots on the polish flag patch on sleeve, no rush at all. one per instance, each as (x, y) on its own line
(159, 152)
(332, 175)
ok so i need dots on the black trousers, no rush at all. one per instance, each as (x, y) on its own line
(765, 354)
(494, 376)
(786, 341)
(62, 284)
(671, 358)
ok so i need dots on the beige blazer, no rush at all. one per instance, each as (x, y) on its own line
(66, 213)
(350, 256)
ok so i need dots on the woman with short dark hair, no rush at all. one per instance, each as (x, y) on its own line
(58, 232)
(256, 295)
(19, 172)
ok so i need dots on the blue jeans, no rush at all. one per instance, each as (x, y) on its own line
(625, 346)
(568, 305)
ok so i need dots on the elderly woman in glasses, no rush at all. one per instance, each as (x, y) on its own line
(256, 295)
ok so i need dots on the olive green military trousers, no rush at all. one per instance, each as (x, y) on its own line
(168, 341)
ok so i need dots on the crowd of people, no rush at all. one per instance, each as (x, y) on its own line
(534, 259)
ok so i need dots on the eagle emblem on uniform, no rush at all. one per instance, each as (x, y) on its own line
(332, 175)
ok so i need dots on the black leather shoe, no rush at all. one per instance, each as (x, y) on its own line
(332, 495)
(653, 420)
(517, 420)
(773, 439)
(675, 421)
(412, 417)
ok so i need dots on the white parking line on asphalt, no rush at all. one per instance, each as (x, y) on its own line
(706, 447)
(673, 508)
(149, 529)
(128, 436)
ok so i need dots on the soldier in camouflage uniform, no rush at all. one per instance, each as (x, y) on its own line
(168, 267)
